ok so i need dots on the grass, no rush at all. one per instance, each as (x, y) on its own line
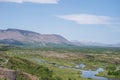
(92, 57)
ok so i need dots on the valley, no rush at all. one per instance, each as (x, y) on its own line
(59, 39)
(51, 63)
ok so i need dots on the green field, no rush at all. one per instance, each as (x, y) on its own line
(45, 62)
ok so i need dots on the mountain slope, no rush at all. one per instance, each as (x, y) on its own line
(19, 37)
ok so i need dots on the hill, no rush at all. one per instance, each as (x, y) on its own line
(24, 37)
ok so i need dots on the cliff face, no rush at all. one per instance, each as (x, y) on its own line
(8, 74)
(14, 75)
(22, 36)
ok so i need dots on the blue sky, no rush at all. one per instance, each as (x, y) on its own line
(82, 20)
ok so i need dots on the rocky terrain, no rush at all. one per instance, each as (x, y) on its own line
(13, 75)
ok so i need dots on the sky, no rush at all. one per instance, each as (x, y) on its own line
(81, 20)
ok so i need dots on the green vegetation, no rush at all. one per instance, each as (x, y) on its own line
(18, 63)
(45, 62)
(113, 70)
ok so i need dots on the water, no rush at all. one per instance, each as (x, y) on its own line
(80, 66)
(91, 74)
(85, 73)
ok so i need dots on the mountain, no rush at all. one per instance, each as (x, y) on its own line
(19, 37)
(115, 45)
(80, 43)
(22, 37)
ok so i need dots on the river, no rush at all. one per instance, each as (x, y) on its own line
(85, 73)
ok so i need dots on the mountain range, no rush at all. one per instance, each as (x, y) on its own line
(28, 38)
(22, 37)
(89, 43)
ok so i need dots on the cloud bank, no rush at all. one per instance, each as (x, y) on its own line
(33, 1)
(89, 19)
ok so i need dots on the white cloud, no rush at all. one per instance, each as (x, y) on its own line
(88, 19)
(110, 22)
(33, 1)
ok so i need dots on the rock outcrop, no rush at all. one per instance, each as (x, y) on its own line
(13, 75)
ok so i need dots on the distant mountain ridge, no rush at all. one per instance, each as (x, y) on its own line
(81, 43)
(29, 38)
(19, 37)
